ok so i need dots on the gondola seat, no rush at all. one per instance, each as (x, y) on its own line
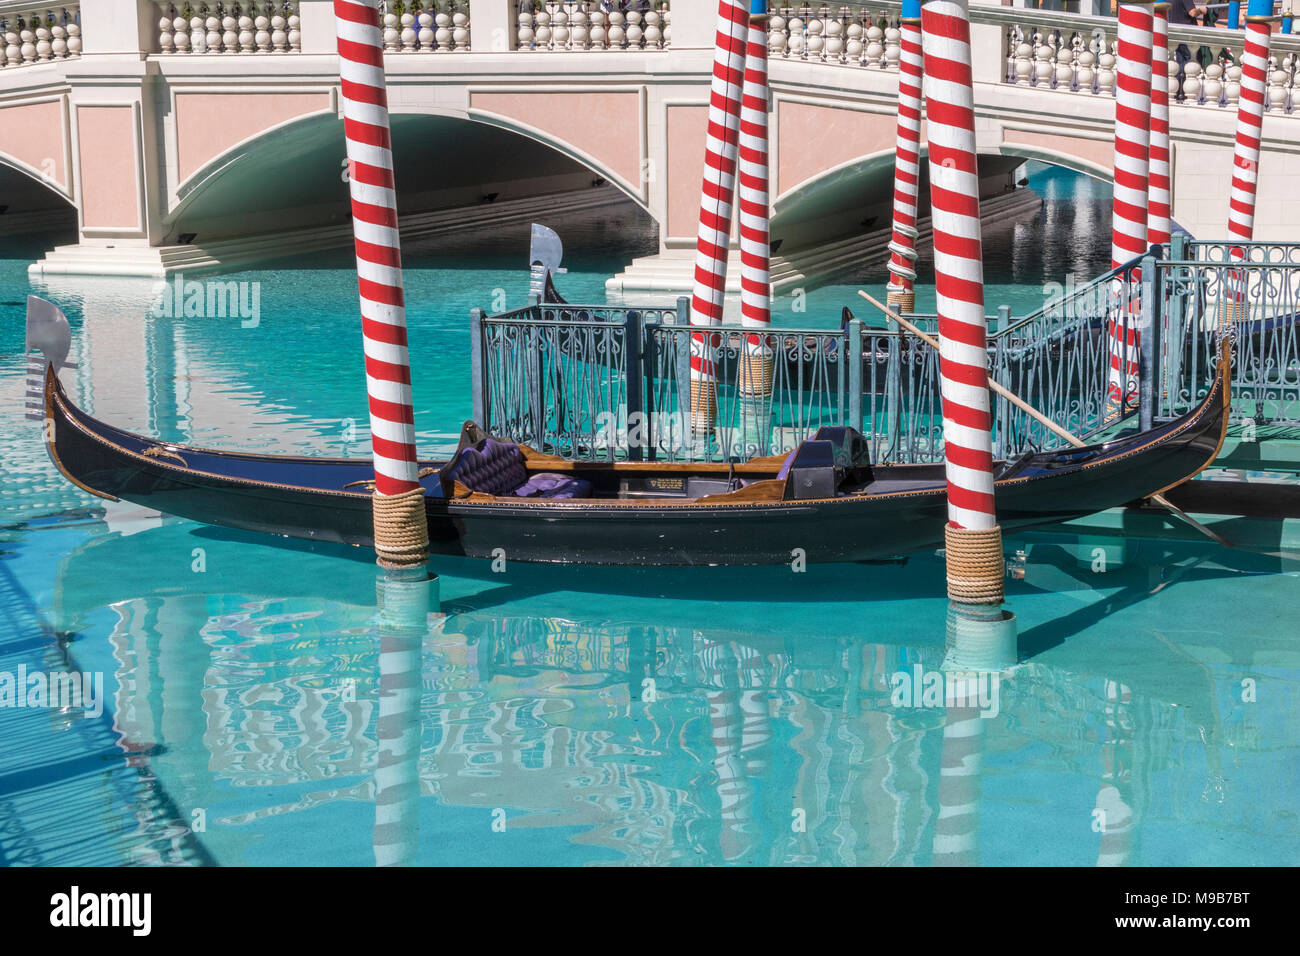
(497, 468)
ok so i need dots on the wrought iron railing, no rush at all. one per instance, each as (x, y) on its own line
(557, 377)
(614, 382)
(1255, 288)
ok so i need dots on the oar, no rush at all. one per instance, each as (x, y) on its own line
(1038, 416)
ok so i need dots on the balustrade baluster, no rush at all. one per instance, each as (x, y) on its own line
(166, 34)
(526, 36)
(854, 33)
(442, 32)
(796, 40)
(875, 50)
(833, 33)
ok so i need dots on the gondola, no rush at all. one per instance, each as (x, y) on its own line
(823, 502)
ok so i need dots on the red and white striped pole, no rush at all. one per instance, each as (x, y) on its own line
(974, 540)
(717, 195)
(401, 532)
(755, 376)
(1129, 219)
(1250, 127)
(1158, 199)
(901, 292)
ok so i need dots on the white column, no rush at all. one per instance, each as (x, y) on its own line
(119, 27)
(317, 26)
(492, 25)
(694, 25)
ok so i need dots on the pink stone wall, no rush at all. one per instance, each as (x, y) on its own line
(687, 126)
(108, 166)
(604, 126)
(36, 135)
(1100, 153)
(208, 124)
(812, 139)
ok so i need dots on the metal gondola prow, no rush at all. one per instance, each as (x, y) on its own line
(49, 332)
(545, 252)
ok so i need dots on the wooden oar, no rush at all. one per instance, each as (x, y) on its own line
(1038, 416)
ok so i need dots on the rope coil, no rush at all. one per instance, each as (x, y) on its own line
(704, 405)
(976, 568)
(903, 303)
(754, 375)
(401, 529)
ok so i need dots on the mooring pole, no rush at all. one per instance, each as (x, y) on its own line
(401, 529)
(1131, 174)
(900, 294)
(1158, 197)
(717, 195)
(1245, 157)
(974, 540)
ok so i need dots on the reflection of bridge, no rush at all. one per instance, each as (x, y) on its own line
(172, 159)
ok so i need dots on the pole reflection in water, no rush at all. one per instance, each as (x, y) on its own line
(405, 598)
(981, 644)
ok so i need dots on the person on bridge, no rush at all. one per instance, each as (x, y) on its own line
(1184, 13)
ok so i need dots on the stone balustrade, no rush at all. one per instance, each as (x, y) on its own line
(36, 34)
(1078, 56)
(577, 25)
(254, 26)
(848, 36)
(426, 27)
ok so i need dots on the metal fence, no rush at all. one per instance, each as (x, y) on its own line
(613, 382)
(1253, 287)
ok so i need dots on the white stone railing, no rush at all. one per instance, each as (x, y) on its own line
(577, 25)
(253, 26)
(844, 35)
(1052, 51)
(37, 34)
(426, 26)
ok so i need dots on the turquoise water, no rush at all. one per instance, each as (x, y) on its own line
(257, 709)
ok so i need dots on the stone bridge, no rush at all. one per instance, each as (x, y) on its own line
(164, 136)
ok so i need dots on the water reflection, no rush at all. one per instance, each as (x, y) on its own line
(279, 690)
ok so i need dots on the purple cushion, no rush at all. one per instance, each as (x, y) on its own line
(497, 468)
(785, 468)
(550, 485)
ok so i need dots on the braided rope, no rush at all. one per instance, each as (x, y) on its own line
(704, 405)
(401, 529)
(754, 375)
(976, 569)
(903, 303)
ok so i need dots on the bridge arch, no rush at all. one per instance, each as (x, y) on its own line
(31, 200)
(290, 175)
